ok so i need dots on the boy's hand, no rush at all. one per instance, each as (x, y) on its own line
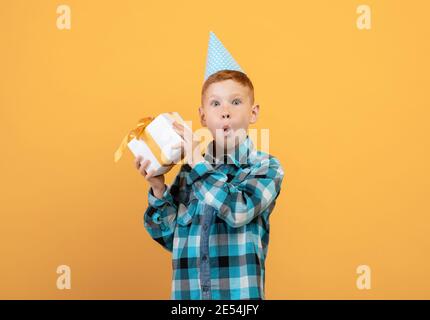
(156, 183)
(190, 147)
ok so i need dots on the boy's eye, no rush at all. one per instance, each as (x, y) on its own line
(215, 103)
(236, 102)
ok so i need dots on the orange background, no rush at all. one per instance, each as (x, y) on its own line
(348, 114)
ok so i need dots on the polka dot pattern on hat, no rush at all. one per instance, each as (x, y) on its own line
(218, 57)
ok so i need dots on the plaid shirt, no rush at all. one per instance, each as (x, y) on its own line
(214, 218)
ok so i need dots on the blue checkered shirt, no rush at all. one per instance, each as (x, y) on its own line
(214, 219)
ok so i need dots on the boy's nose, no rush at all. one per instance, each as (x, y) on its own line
(225, 113)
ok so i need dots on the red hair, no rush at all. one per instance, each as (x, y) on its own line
(234, 75)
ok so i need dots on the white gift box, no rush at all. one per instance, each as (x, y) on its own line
(164, 135)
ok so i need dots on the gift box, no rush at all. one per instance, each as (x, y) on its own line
(153, 139)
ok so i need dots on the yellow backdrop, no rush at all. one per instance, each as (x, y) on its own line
(347, 110)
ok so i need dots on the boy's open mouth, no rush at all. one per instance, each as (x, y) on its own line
(226, 129)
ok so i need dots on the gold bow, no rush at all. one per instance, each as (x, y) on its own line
(140, 133)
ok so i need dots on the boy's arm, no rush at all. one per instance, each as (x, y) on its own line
(238, 204)
(160, 216)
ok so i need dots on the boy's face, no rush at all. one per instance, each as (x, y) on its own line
(227, 112)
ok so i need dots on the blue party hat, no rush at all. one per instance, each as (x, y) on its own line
(218, 57)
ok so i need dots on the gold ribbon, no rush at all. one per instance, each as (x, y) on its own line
(140, 133)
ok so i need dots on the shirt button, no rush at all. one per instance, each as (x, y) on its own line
(205, 227)
(204, 257)
(205, 288)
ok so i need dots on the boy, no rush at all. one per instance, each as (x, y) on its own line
(214, 218)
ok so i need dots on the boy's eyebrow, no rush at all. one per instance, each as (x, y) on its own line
(236, 94)
(232, 95)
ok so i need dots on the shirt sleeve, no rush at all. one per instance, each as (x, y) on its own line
(238, 203)
(160, 216)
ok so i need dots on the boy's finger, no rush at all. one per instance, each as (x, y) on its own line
(180, 132)
(143, 166)
(150, 174)
(142, 171)
(137, 162)
(180, 125)
(182, 128)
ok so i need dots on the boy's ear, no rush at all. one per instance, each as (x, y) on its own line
(202, 116)
(255, 109)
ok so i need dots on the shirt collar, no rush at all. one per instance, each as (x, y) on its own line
(239, 156)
